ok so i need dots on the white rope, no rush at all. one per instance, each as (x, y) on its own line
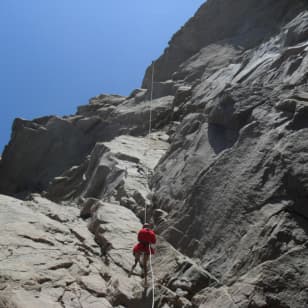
(149, 135)
(153, 280)
(151, 99)
(145, 206)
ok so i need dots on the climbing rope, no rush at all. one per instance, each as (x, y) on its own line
(149, 134)
(151, 98)
(153, 281)
(147, 176)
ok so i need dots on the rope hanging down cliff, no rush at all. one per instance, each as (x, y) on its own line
(149, 135)
(145, 209)
(146, 236)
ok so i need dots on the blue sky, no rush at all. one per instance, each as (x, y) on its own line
(56, 54)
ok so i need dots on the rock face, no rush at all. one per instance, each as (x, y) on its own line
(42, 149)
(38, 151)
(117, 170)
(223, 176)
(241, 23)
(49, 257)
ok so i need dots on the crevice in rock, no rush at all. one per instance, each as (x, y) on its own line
(44, 280)
(38, 240)
(65, 265)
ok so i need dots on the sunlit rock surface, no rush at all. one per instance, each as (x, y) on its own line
(223, 176)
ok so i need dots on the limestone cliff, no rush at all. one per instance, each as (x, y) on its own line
(223, 175)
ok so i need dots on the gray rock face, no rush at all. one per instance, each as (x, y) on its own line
(223, 176)
(242, 23)
(44, 148)
(231, 184)
(114, 171)
(44, 257)
(38, 151)
(49, 257)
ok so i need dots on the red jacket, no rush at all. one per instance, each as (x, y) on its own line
(146, 236)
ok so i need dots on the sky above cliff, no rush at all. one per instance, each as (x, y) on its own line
(57, 54)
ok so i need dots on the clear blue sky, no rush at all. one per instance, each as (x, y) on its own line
(56, 54)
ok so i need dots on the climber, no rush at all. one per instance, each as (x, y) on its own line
(146, 237)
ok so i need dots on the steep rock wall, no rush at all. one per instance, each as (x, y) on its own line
(243, 23)
(231, 189)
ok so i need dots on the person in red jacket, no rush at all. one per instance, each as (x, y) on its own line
(146, 237)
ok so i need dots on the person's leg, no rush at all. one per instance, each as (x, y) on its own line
(137, 260)
(145, 269)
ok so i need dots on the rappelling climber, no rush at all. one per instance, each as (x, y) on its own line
(142, 250)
